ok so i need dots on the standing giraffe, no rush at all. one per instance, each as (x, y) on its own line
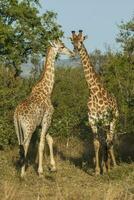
(37, 110)
(102, 107)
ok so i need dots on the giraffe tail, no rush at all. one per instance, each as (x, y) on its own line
(20, 137)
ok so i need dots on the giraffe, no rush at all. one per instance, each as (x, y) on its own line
(102, 108)
(37, 109)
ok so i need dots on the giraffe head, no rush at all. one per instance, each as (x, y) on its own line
(77, 40)
(59, 47)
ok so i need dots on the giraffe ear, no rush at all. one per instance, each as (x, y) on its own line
(52, 43)
(85, 37)
(69, 38)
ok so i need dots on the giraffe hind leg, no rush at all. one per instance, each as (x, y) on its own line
(50, 144)
(25, 150)
(111, 152)
(110, 143)
(19, 134)
(45, 126)
(108, 162)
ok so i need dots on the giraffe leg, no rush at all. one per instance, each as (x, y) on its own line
(104, 158)
(96, 148)
(25, 146)
(45, 125)
(107, 162)
(110, 143)
(96, 145)
(50, 144)
(41, 149)
(111, 152)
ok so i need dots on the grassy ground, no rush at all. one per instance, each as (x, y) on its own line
(73, 180)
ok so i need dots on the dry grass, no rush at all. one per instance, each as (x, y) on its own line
(73, 180)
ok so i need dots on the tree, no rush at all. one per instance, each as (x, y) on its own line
(126, 38)
(24, 32)
(97, 59)
(118, 75)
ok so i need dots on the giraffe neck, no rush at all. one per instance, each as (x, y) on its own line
(91, 76)
(48, 75)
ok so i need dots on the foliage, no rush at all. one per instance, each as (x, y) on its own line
(24, 32)
(70, 102)
(11, 92)
(126, 38)
(118, 78)
(98, 60)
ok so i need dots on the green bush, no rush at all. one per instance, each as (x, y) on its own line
(70, 102)
(11, 93)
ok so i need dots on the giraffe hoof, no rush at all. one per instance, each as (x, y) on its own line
(22, 176)
(104, 171)
(97, 172)
(23, 173)
(53, 169)
(40, 175)
(115, 166)
(40, 172)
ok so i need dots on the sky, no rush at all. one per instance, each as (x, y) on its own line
(97, 18)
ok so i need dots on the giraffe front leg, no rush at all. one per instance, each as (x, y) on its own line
(50, 144)
(97, 148)
(96, 144)
(104, 157)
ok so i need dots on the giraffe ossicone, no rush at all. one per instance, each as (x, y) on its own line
(37, 109)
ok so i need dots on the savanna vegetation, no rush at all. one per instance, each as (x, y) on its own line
(24, 36)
